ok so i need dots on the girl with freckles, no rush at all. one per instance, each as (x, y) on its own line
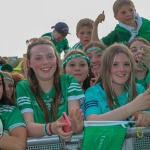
(46, 93)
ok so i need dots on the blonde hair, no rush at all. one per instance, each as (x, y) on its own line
(140, 39)
(84, 22)
(118, 3)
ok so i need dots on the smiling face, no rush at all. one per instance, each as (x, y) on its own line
(77, 67)
(126, 15)
(84, 35)
(135, 48)
(95, 57)
(43, 61)
(9, 87)
(120, 71)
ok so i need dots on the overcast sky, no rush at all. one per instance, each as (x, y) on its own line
(23, 19)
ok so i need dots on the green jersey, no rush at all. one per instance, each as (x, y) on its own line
(61, 45)
(145, 81)
(11, 117)
(78, 46)
(26, 101)
(122, 35)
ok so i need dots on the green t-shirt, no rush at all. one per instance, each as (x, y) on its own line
(122, 35)
(61, 45)
(26, 101)
(11, 117)
(77, 46)
(145, 81)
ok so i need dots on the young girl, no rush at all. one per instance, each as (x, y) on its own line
(94, 51)
(9, 86)
(46, 94)
(142, 73)
(14, 134)
(77, 64)
(114, 97)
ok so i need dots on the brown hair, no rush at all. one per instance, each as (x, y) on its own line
(2, 61)
(105, 78)
(4, 99)
(8, 75)
(139, 39)
(94, 44)
(118, 3)
(34, 85)
(17, 77)
(84, 22)
(86, 83)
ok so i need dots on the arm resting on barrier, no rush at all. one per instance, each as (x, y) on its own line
(141, 102)
(37, 129)
(17, 139)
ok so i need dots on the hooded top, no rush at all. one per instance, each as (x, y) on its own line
(123, 35)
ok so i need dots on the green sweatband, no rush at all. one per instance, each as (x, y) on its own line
(74, 56)
(9, 80)
(93, 49)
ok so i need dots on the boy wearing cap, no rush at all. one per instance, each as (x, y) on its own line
(58, 37)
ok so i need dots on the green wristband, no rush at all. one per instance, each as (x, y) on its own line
(45, 130)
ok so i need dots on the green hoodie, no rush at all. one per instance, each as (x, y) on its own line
(122, 35)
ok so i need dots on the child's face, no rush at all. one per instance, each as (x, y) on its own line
(84, 35)
(43, 62)
(57, 36)
(77, 67)
(95, 57)
(120, 71)
(9, 87)
(126, 15)
(135, 48)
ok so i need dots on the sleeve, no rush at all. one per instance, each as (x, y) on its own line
(75, 92)
(23, 97)
(140, 88)
(66, 46)
(46, 34)
(91, 105)
(144, 31)
(109, 39)
(13, 118)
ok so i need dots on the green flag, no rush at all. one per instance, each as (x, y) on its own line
(104, 135)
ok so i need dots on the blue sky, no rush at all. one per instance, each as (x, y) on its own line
(23, 19)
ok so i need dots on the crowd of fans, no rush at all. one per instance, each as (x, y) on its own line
(97, 79)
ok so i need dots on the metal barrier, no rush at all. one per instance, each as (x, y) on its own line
(132, 142)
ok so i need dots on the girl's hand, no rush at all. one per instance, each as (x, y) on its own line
(142, 101)
(94, 80)
(142, 118)
(144, 56)
(76, 118)
(56, 128)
